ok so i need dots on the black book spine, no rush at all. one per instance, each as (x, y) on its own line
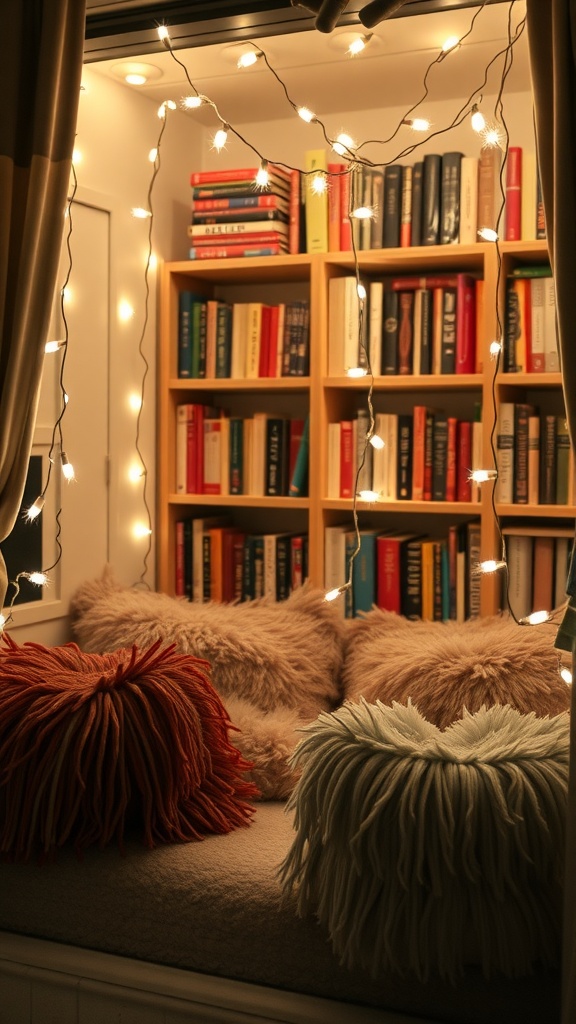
(411, 592)
(450, 198)
(521, 414)
(431, 199)
(417, 172)
(448, 349)
(405, 430)
(439, 457)
(390, 333)
(511, 328)
(392, 206)
(426, 331)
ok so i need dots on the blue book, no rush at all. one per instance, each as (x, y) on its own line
(236, 482)
(298, 487)
(364, 573)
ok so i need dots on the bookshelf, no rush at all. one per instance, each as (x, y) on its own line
(330, 398)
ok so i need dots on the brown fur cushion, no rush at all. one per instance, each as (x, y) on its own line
(276, 666)
(445, 667)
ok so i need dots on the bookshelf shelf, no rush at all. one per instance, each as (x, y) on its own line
(328, 399)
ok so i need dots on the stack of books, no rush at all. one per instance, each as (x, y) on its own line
(233, 216)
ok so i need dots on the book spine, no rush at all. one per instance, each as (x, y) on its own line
(390, 333)
(450, 198)
(364, 574)
(388, 591)
(243, 222)
(551, 357)
(405, 332)
(439, 457)
(347, 459)
(298, 486)
(431, 185)
(468, 233)
(345, 226)
(227, 204)
(533, 460)
(489, 198)
(377, 220)
(406, 208)
(451, 458)
(335, 172)
(464, 460)
(429, 455)
(505, 453)
(221, 252)
(412, 592)
(448, 346)
(184, 335)
(465, 325)
(236, 455)
(418, 451)
(562, 460)
(520, 487)
(316, 208)
(294, 215)
(513, 209)
(425, 331)
(179, 588)
(416, 217)
(392, 206)
(276, 456)
(404, 469)
(234, 174)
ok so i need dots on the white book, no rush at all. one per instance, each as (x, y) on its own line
(551, 358)
(182, 415)
(519, 552)
(212, 457)
(335, 561)
(258, 460)
(537, 354)
(505, 453)
(238, 355)
(333, 467)
(363, 448)
(375, 327)
(253, 333)
(468, 200)
(343, 325)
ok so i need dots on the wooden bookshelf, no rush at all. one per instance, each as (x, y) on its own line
(271, 279)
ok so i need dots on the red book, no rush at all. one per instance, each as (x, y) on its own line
(418, 451)
(179, 588)
(195, 464)
(294, 232)
(265, 342)
(465, 324)
(347, 460)
(297, 561)
(390, 572)
(232, 538)
(222, 252)
(345, 226)
(273, 342)
(451, 459)
(400, 284)
(513, 210)
(405, 332)
(464, 461)
(236, 174)
(239, 238)
(335, 172)
(266, 201)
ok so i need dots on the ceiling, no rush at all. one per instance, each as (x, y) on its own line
(317, 72)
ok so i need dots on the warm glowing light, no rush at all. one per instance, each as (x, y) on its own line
(377, 442)
(356, 371)
(536, 618)
(450, 44)
(262, 176)
(67, 467)
(246, 60)
(306, 114)
(331, 595)
(76, 156)
(140, 530)
(53, 346)
(488, 234)
(140, 213)
(152, 155)
(3, 623)
(135, 402)
(490, 565)
(39, 578)
(135, 79)
(361, 291)
(319, 184)
(492, 136)
(566, 675)
(135, 473)
(344, 144)
(163, 32)
(478, 121)
(152, 260)
(125, 310)
(67, 294)
(495, 349)
(368, 495)
(168, 104)
(192, 102)
(220, 138)
(363, 213)
(359, 44)
(35, 508)
(481, 476)
(418, 124)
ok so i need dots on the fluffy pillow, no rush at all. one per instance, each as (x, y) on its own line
(445, 667)
(91, 743)
(421, 850)
(266, 740)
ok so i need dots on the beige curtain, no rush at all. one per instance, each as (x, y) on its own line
(41, 45)
(552, 40)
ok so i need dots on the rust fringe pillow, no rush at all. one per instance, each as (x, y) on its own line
(90, 744)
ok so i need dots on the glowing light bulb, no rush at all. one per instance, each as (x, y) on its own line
(76, 156)
(481, 476)
(377, 442)
(53, 346)
(135, 473)
(262, 176)
(67, 294)
(359, 44)
(450, 44)
(495, 349)
(490, 566)
(35, 508)
(319, 184)
(488, 234)
(167, 105)
(536, 618)
(418, 124)
(192, 102)
(67, 467)
(368, 495)
(140, 530)
(344, 144)
(492, 136)
(478, 121)
(152, 260)
(135, 79)
(356, 371)
(152, 155)
(361, 291)
(163, 33)
(39, 578)
(248, 59)
(363, 213)
(125, 311)
(135, 402)
(306, 114)
(331, 595)
(566, 675)
(140, 213)
(220, 138)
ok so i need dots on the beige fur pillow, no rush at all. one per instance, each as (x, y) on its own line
(445, 667)
(276, 666)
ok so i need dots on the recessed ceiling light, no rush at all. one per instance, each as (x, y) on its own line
(136, 74)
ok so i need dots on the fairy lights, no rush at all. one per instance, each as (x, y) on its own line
(306, 114)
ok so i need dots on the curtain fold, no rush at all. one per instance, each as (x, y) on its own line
(552, 44)
(41, 49)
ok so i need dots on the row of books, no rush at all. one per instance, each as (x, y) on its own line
(231, 216)
(261, 455)
(216, 561)
(530, 339)
(426, 456)
(535, 461)
(217, 339)
(411, 575)
(409, 325)
(538, 559)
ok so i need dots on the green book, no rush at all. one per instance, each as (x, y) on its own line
(299, 482)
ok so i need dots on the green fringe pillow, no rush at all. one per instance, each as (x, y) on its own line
(421, 850)
(91, 745)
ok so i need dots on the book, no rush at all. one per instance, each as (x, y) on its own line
(405, 234)
(419, 414)
(465, 354)
(237, 214)
(218, 252)
(389, 363)
(439, 456)
(364, 452)
(392, 206)
(186, 300)
(244, 202)
(431, 191)
(505, 453)
(528, 203)
(416, 211)
(335, 174)
(262, 223)
(463, 460)
(404, 473)
(223, 340)
(376, 222)
(375, 312)
(450, 198)
(518, 594)
(543, 574)
(364, 572)
(533, 459)
(513, 208)
(536, 356)
(448, 343)
(343, 325)
(298, 483)
(253, 568)
(490, 197)
(236, 461)
(412, 580)
(405, 332)
(548, 460)
(472, 548)
(316, 203)
(522, 413)
(562, 460)
(427, 584)
(518, 321)
(347, 459)
(277, 175)
(201, 525)
(345, 226)
(391, 559)
(468, 226)
(333, 463)
(335, 560)
(276, 468)
(183, 415)
(551, 356)
(451, 492)
(294, 212)
(253, 339)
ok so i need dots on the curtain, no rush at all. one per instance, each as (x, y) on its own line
(41, 48)
(551, 29)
